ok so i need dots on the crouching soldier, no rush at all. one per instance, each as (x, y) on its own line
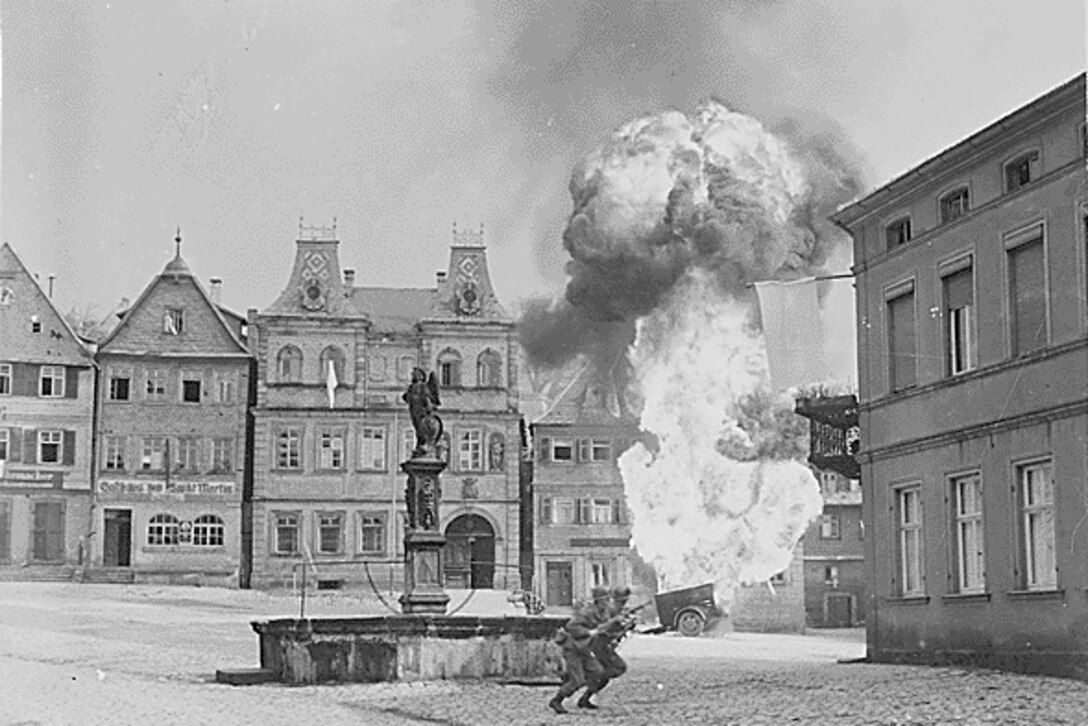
(576, 638)
(605, 643)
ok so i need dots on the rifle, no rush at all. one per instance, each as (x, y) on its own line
(626, 622)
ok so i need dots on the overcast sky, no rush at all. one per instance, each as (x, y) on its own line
(123, 119)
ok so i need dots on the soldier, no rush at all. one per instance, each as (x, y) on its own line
(582, 667)
(604, 645)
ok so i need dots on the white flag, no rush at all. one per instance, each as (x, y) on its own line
(331, 383)
(793, 332)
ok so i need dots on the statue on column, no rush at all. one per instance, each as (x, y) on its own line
(423, 402)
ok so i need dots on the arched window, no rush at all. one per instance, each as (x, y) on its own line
(897, 232)
(162, 529)
(449, 368)
(335, 356)
(289, 364)
(489, 370)
(208, 531)
(955, 204)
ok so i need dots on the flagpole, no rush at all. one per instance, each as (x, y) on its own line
(819, 278)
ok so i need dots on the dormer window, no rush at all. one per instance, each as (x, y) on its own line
(1021, 171)
(955, 204)
(898, 232)
(173, 321)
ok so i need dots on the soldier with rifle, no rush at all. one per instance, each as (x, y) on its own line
(575, 638)
(620, 622)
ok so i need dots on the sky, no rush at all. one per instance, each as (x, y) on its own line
(123, 120)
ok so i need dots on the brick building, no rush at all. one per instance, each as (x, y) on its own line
(774, 606)
(171, 437)
(582, 534)
(331, 428)
(46, 412)
(834, 562)
(972, 285)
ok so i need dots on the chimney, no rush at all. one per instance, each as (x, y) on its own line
(440, 277)
(349, 278)
(217, 289)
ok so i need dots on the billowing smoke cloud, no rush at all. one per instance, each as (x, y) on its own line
(673, 218)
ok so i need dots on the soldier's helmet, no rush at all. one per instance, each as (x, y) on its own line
(621, 592)
(599, 593)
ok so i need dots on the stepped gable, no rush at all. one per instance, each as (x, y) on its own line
(22, 303)
(587, 399)
(315, 286)
(145, 328)
(465, 292)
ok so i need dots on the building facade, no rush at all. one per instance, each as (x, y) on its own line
(171, 438)
(331, 428)
(834, 560)
(582, 531)
(47, 381)
(973, 370)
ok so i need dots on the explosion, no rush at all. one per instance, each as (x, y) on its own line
(673, 218)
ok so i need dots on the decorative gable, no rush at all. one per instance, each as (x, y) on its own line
(466, 291)
(315, 286)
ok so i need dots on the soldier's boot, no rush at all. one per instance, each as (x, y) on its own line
(556, 704)
(584, 702)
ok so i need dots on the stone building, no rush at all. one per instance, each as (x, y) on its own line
(171, 438)
(46, 411)
(331, 428)
(834, 567)
(774, 606)
(973, 370)
(582, 532)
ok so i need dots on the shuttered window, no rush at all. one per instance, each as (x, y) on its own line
(901, 342)
(1027, 297)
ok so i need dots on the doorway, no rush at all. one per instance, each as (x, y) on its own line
(117, 538)
(47, 538)
(840, 611)
(470, 553)
(560, 584)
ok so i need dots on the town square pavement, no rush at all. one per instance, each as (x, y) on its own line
(102, 654)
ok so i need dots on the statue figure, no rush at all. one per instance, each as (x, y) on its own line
(428, 504)
(496, 452)
(443, 447)
(423, 403)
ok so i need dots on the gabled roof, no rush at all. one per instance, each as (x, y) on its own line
(587, 399)
(175, 270)
(58, 343)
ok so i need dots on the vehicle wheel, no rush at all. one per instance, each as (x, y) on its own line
(690, 623)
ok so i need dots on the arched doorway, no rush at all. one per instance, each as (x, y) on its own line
(470, 552)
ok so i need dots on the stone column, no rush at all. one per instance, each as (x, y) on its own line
(423, 540)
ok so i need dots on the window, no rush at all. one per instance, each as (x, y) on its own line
(119, 386)
(1027, 295)
(335, 357)
(222, 455)
(173, 321)
(191, 383)
(1035, 492)
(4, 443)
(162, 529)
(1021, 170)
(967, 538)
(470, 450)
(778, 578)
(828, 482)
(208, 531)
(547, 510)
(152, 449)
(829, 526)
(897, 232)
(489, 369)
(562, 450)
(51, 382)
(562, 510)
(331, 450)
(289, 364)
(377, 367)
(5, 379)
(954, 205)
(600, 573)
(909, 544)
(958, 293)
(156, 385)
(35, 324)
(901, 352)
(449, 368)
(289, 448)
(187, 457)
(115, 453)
(330, 533)
(600, 511)
(405, 364)
(226, 387)
(49, 447)
(372, 532)
(831, 575)
(407, 443)
(372, 448)
(286, 533)
(601, 449)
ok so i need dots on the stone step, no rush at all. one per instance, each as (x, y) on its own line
(38, 573)
(109, 575)
(244, 676)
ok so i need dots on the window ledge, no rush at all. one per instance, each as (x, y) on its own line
(908, 600)
(1056, 594)
(956, 598)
